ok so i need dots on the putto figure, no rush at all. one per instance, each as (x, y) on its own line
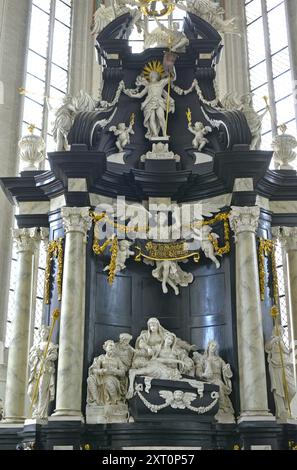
(154, 106)
(199, 131)
(122, 132)
(41, 384)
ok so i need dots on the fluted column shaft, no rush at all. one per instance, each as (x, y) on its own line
(71, 344)
(27, 244)
(252, 375)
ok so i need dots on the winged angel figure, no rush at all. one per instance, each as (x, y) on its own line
(244, 103)
(178, 400)
(165, 37)
(143, 224)
(211, 12)
(106, 14)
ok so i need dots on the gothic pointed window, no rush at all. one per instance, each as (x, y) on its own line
(46, 79)
(269, 65)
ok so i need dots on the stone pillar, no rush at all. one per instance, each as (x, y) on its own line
(232, 72)
(27, 244)
(82, 58)
(252, 375)
(71, 344)
(14, 21)
(291, 11)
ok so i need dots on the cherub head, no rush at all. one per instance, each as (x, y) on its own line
(199, 126)
(121, 126)
(178, 395)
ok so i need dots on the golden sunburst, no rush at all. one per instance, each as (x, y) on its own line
(154, 66)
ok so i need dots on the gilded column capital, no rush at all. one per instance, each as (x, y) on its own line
(26, 239)
(287, 236)
(76, 219)
(244, 219)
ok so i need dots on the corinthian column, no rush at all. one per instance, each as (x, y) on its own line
(71, 345)
(27, 241)
(252, 375)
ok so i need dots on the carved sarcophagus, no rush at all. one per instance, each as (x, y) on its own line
(156, 399)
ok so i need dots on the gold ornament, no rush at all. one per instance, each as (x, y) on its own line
(166, 252)
(154, 66)
(54, 250)
(267, 249)
(189, 116)
(148, 8)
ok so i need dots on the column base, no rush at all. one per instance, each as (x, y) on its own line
(255, 416)
(13, 420)
(66, 415)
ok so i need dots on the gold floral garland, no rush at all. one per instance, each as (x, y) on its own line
(54, 250)
(267, 249)
(168, 248)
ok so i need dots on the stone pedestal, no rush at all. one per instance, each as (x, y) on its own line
(71, 345)
(252, 373)
(107, 414)
(27, 243)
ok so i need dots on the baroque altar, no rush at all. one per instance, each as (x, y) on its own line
(160, 216)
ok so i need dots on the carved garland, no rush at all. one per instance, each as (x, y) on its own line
(155, 408)
(54, 250)
(158, 251)
(267, 249)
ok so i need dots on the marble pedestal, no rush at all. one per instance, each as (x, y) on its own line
(107, 414)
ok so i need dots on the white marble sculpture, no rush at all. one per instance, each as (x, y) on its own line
(106, 388)
(124, 253)
(160, 151)
(283, 146)
(281, 370)
(31, 150)
(244, 103)
(216, 371)
(164, 37)
(124, 350)
(211, 12)
(106, 14)
(41, 383)
(122, 132)
(162, 365)
(205, 235)
(154, 106)
(65, 115)
(170, 273)
(1, 410)
(105, 377)
(199, 131)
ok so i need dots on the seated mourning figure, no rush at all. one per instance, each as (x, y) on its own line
(213, 369)
(106, 387)
(281, 370)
